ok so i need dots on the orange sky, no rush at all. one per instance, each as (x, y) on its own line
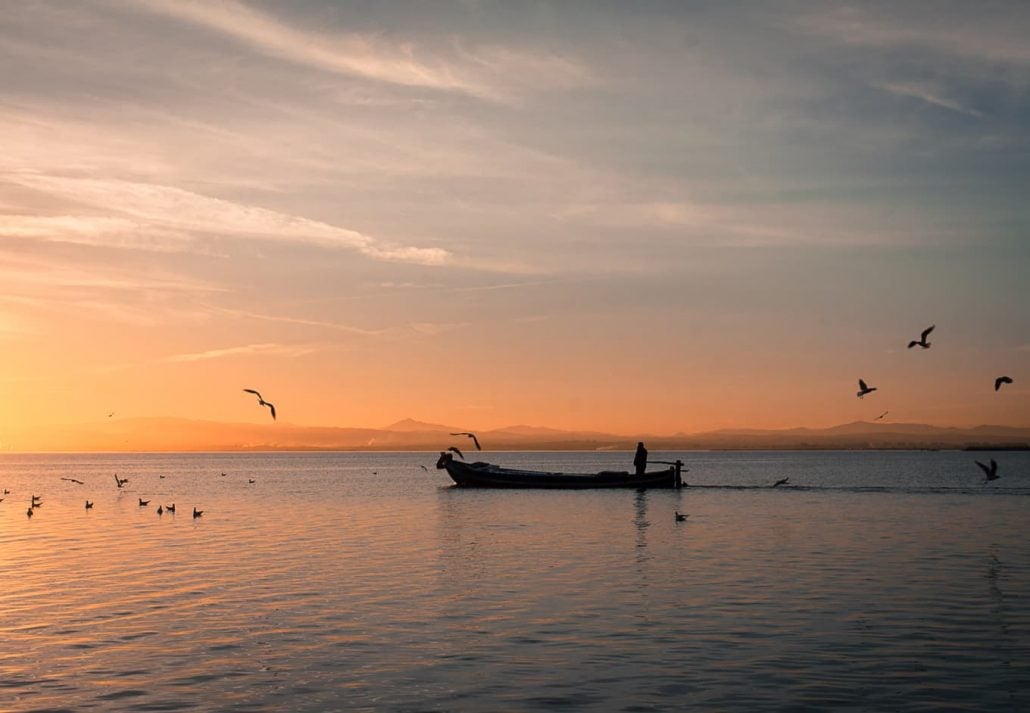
(484, 220)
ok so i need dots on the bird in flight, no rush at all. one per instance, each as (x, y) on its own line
(470, 435)
(455, 450)
(120, 481)
(110, 414)
(1002, 380)
(73, 480)
(922, 338)
(781, 481)
(881, 415)
(261, 401)
(991, 472)
(863, 389)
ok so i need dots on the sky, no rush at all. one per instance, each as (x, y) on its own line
(651, 217)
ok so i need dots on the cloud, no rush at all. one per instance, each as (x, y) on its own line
(267, 349)
(170, 208)
(926, 94)
(479, 72)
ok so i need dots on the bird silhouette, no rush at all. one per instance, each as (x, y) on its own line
(680, 517)
(455, 449)
(143, 503)
(160, 511)
(89, 505)
(120, 481)
(1002, 380)
(424, 468)
(251, 481)
(881, 415)
(781, 481)
(990, 471)
(73, 480)
(863, 389)
(29, 511)
(922, 338)
(197, 513)
(262, 402)
(170, 508)
(470, 435)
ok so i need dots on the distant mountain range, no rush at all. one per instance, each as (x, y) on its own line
(171, 434)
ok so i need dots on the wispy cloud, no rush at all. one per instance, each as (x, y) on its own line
(171, 208)
(926, 94)
(485, 73)
(267, 349)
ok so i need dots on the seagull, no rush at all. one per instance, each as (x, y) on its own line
(143, 503)
(262, 402)
(159, 510)
(991, 472)
(197, 513)
(29, 512)
(863, 389)
(680, 517)
(251, 481)
(881, 415)
(470, 435)
(73, 480)
(120, 481)
(1002, 380)
(781, 481)
(922, 338)
(89, 505)
(452, 448)
(170, 508)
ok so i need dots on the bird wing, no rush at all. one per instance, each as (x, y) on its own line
(476, 441)
(926, 332)
(1001, 380)
(984, 468)
(861, 385)
(912, 344)
(271, 408)
(252, 391)
(456, 450)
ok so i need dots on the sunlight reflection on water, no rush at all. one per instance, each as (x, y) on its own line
(358, 581)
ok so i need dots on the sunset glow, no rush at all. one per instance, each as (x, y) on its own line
(632, 219)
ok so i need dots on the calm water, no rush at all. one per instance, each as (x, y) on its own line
(881, 581)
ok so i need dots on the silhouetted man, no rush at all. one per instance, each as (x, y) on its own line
(640, 459)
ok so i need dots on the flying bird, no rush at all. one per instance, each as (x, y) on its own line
(881, 415)
(120, 481)
(73, 480)
(1002, 380)
(863, 389)
(781, 481)
(110, 414)
(991, 472)
(197, 513)
(262, 402)
(455, 450)
(470, 435)
(680, 517)
(922, 338)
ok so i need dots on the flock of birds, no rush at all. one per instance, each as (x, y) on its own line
(990, 471)
(36, 501)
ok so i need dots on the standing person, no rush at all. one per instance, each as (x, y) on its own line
(640, 459)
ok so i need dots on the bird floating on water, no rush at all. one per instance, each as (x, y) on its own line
(1002, 380)
(680, 517)
(262, 402)
(922, 338)
(470, 435)
(781, 481)
(143, 503)
(89, 504)
(29, 511)
(863, 389)
(990, 471)
(251, 481)
(170, 508)
(197, 513)
(120, 481)
(455, 449)
(160, 511)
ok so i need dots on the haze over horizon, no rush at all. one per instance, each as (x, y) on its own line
(656, 218)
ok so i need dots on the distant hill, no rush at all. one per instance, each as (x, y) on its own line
(173, 434)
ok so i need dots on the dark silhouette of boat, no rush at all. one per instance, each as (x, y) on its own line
(487, 475)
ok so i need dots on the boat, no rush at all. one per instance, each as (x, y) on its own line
(487, 475)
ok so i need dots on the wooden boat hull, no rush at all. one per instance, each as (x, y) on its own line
(485, 475)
